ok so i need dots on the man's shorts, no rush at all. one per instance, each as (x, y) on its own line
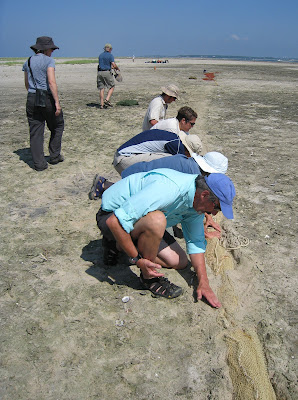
(101, 219)
(105, 79)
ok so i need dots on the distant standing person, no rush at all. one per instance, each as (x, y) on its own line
(105, 78)
(158, 106)
(40, 78)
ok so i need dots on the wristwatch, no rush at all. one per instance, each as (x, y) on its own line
(134, 260)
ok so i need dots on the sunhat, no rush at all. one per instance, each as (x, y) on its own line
(212, 162)
(44, 43)
(223, 188)
(171, 90)
(108, 46)
(192, 142)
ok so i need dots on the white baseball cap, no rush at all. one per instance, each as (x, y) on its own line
(212, 162)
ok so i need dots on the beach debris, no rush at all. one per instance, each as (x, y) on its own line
(119, 322)
(192, 77)
(125, 299)
(209, 76)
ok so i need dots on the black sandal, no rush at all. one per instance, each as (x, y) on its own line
(161, 287)
(108, 103)
(110, 252)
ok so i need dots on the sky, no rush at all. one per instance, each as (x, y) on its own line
(254, 28)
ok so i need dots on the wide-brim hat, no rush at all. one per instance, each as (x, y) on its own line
(212, 162)
(224, 189)
(171, 90)
(191, 142)
(108, 46)
(44, 43)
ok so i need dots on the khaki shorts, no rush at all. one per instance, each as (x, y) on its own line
(105, 79)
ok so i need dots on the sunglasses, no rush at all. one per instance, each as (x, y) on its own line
(192, 123)
(216, 206)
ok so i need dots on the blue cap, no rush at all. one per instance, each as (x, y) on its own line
(223, 188)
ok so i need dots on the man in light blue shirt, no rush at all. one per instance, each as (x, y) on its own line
(136, 211)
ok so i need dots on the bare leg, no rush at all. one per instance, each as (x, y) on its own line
(101, 95)
(149, 232)
(110, 92)
(171, 256)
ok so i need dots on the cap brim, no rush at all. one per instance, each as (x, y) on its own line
(227, 210)
(203, 164)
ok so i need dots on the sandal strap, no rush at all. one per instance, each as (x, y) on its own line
(161, 287)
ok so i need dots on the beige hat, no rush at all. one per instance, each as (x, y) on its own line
(192, 142)
(108, 46)
(171, 90)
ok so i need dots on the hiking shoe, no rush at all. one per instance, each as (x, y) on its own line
(161, 287)
(110, 252)
(41, 168)
(56, 160)
(97, 187)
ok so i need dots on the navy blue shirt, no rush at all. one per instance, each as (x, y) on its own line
(105, 59)
(178, 162)
(153, 141)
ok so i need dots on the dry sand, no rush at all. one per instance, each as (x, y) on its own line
(65, 333)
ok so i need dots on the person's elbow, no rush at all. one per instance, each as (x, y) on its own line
(153, 122)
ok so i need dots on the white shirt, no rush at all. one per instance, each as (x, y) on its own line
(157, 110)
(170, 125)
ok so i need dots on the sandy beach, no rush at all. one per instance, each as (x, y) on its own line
(65, 332)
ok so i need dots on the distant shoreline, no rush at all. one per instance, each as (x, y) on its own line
(160, 57)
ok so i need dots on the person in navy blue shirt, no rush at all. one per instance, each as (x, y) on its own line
(105, 77)
(152, 145)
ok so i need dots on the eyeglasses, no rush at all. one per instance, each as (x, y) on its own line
(192, 123)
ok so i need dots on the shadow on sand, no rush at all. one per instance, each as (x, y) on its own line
(25, 155)
(119, 274)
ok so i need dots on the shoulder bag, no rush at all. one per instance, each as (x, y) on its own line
(40, 95)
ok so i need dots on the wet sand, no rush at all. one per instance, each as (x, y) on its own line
(65, 332)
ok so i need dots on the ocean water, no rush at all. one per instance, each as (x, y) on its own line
(233, 58)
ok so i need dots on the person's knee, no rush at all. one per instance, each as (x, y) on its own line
(157, 222)
(152, 225)
(179, 262)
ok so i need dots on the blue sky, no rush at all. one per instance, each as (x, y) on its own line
(261, 28)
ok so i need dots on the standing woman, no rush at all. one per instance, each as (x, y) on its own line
(43, 103)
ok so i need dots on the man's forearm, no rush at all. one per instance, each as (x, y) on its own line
(122, 237)
(199, 265)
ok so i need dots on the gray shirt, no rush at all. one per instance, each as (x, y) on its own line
(39, 64)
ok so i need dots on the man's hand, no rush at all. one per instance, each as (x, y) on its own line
(205, 290)
(210, 222)
(149, 268)
(211, 234)
(58, 109)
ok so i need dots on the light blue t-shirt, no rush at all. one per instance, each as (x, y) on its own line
(169, 191)
(39, 64)
(105, 59)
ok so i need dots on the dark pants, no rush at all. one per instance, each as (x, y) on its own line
(37, 116)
